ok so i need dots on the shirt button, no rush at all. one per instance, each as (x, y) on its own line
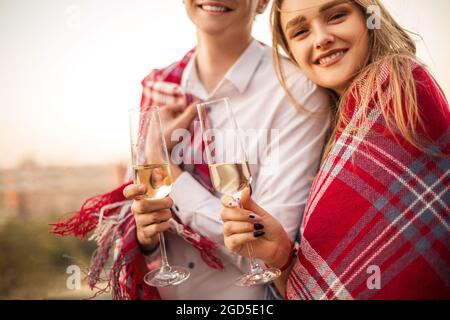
(191, 265)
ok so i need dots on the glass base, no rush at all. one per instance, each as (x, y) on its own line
(258, 277)
(167, 276)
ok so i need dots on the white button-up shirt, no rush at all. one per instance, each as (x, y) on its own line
(258, 102)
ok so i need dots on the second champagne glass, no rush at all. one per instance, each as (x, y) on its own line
(229, 169)
(150, 162)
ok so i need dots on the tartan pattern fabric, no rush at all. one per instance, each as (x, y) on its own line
(379, 206)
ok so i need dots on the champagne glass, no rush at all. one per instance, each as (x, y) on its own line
(150, 163)
(229, 169)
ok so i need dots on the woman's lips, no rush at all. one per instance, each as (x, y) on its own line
(331, 59)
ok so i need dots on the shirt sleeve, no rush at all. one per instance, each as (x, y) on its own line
(199, 209)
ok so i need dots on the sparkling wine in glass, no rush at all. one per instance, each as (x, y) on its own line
(150, 164)
(229, 169)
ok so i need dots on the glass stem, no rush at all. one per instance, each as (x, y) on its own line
(164, 263)
(254, 266)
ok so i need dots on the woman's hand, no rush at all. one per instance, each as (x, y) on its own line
(151, 216)
(252, 224)
(176, 117)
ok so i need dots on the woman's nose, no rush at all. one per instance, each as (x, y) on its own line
(323, 38)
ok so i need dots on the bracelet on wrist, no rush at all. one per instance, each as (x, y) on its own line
(292, 252)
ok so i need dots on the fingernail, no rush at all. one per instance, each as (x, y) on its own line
(232, 203)
(258, 233)
(141, 188)
(254, 217)
(258, 226)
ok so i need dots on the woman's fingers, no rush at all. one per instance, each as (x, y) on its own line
(192, 109)
(149, 205)
(233, 227)
(149, 224)
(185, 118)
(229, 201)
(174, 108)
(236, 242)
(238, 214)
(134, 190)
(245, 201)
(152, 230)
(233, 202)
(143, 220)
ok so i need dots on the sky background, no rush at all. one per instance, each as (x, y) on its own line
(70, 69)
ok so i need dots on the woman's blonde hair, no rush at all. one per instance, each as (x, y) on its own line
(391, 48)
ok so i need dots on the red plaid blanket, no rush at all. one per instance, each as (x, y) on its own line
(114, 224)
(376, 225)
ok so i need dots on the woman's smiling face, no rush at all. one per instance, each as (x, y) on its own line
(328, 39)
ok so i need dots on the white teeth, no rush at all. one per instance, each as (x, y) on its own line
(331, 57)
(214, 8)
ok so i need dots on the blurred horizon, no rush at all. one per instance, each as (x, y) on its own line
(72, 68)
(33, 262)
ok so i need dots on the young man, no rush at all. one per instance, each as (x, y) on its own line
(228, 62)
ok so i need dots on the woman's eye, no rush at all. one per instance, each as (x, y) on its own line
(299, 33)
(337, 16)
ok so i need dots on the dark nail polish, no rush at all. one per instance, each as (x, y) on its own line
(258, 226)
(258, 233)
(254, 217)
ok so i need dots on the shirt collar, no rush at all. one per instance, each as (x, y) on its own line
(190, 80)
(239, 75)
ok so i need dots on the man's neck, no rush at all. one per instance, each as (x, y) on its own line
(216, 56)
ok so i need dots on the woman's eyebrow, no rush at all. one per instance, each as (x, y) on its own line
(295, 21)
(299, 19)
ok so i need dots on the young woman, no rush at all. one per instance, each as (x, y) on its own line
(376, 225)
